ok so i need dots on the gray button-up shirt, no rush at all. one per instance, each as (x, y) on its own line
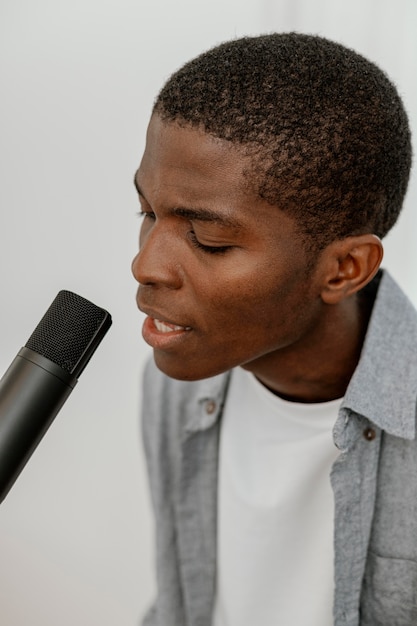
(374, 481)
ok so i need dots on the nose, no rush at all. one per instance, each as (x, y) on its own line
(156, 263)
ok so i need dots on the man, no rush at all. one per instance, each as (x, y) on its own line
(279, 421)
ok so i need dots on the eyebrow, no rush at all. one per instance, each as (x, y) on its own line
(199, 214)
(207, 215)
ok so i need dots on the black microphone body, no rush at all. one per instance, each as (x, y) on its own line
(42, 376)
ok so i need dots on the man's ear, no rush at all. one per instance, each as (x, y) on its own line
(349, 264)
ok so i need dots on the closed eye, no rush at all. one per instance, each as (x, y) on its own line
(190, 235)
(209, 249)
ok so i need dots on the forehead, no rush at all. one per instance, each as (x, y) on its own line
(186, 160)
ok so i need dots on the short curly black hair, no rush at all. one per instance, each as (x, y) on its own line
(326, 128)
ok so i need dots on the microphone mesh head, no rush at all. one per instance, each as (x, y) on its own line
(66, 330)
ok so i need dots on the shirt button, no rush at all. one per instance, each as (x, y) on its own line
(369, 434)
(210, 407)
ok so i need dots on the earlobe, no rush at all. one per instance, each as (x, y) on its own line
(351, 263)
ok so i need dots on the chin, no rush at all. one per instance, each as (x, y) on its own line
(185, 371)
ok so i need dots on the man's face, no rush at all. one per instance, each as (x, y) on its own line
(224, 280)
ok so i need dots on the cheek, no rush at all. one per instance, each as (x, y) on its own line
(253, 301)
(277, 316)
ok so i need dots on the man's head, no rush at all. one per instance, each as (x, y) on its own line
(272, 166)
(326, 129)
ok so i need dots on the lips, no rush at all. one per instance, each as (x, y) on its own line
(161, 332)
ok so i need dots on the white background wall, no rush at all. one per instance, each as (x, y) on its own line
(77, 80)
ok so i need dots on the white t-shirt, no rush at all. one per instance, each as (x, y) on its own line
(275, 509)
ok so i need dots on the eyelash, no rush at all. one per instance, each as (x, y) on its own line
(149, 214)
(192, 237)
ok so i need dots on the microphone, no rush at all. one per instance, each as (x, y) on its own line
(42, 376)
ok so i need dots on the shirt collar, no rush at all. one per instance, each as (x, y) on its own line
(383, 387)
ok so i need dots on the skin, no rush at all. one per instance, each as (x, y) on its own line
(250, 296)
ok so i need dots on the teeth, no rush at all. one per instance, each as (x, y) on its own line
(164, 327)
